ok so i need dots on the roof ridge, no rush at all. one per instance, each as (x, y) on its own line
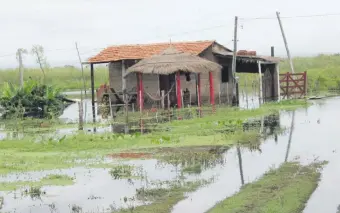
(162, 43)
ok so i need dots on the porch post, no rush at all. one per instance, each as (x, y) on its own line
(92, 97)
(178, 90)
(212, 93)
(260, 79)
(140, 98)
(198, 89)
(140, 91)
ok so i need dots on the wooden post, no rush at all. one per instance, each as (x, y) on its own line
(260, 79)
(198, 90)
(178, 90)
(212, 92)
(286, 43)
(140, 98)
(81, 115)
(123, 81)
(233, 68)
(162, 100)
(278, 82)
(228, 93)
(93, 101)
(305, 83)
(182, 96)
(84, 82)
(245, 82)
(219, 97)
(211, 86)
(287, 85)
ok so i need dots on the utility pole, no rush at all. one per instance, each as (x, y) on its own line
(21, 67)
(285, 41)
(233, 68)
(84, 83)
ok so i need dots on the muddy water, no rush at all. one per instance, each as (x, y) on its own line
(315, 136)
(94, 191)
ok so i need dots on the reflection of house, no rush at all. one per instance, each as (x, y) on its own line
(124, 56)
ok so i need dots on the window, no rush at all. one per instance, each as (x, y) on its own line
(224, 75)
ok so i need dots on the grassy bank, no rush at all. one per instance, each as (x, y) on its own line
(284, 190)
(223, 128)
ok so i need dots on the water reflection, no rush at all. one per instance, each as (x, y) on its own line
(290, 136)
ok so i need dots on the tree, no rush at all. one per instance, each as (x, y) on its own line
(39, 53)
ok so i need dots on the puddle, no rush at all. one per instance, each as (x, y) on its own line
(94, 189)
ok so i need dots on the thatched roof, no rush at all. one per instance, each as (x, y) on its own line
(171, 61)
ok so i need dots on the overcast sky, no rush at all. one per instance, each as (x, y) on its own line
(95, 24)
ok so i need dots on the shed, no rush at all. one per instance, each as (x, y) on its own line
(121, 57)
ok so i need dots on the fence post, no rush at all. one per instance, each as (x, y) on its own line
(305, 83)
(287, 84)
(81, 118)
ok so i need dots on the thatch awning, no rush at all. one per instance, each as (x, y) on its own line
(171, 61)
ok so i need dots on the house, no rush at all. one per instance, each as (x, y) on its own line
(123, 56)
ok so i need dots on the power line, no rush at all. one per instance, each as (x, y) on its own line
(197, 30)
(290, 17)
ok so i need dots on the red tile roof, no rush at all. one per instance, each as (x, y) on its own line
(140, 51)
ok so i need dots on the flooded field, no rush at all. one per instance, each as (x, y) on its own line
(103, 186)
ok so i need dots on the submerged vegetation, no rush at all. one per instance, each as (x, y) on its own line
(163, 199)
(284, 190)
(50, 180)
(224, 128)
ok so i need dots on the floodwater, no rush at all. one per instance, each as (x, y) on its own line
(315, 135)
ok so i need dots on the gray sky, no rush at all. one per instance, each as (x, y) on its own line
(95, 24)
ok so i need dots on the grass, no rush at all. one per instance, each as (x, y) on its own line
(323, 73)
(163, 199)
(223, 128)
(67, 78)
(284, 190)
(50, 180)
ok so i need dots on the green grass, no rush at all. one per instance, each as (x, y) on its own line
(323, 73)
(28, 155)
(323, 69)
(284, 190)
(50, 180)
(163, 199)
(66, 78)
